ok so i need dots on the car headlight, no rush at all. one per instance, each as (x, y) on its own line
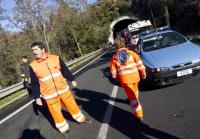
(160, 69)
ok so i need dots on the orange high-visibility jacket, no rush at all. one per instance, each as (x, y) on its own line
(130, 71)
(51, 81)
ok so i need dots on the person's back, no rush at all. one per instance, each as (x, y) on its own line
(127, 67)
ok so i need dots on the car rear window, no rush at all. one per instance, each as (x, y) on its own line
(162, 41)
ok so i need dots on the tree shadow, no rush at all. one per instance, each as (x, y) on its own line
(31, 134)
(95, 104)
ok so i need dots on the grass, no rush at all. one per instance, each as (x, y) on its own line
(11, 97)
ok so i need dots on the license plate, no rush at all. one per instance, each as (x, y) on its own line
(184, 72)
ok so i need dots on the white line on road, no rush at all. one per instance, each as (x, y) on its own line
(29, 103)
(105, 125)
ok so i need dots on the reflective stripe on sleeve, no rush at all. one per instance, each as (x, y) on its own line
(48, 77)
(141, 68)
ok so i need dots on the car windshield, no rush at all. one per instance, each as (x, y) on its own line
(162, 41)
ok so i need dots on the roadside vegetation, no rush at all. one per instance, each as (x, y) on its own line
(73, 28)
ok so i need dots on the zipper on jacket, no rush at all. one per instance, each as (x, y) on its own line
(52, 78)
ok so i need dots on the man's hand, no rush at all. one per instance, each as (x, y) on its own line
(74, 83)
(38, 101)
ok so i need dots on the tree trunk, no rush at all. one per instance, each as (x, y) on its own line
(77, 43)
(166, 13)
(45, 37)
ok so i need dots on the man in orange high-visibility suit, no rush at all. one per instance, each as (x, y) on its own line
(127, 67)
(48, 76)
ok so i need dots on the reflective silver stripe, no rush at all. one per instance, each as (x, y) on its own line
(48, 77)
(61, 124)
(131, 58)
(127, 72)
(80, 118)
(56, 93)
(63, 91)
(134, 109)
(50, 96)
(142, 67)
(134, 102)
(127, 66)
(75, 116)
(64, 128)
(139, 62)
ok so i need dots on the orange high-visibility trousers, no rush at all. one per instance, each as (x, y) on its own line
(55, 108)
(132, 93)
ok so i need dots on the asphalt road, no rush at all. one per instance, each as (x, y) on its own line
(169, 112)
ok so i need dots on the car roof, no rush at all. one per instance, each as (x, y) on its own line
(155, 33)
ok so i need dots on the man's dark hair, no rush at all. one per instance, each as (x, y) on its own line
(25, 57)
(39, 44)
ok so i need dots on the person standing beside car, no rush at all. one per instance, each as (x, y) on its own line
(127, 67)
(49, 76)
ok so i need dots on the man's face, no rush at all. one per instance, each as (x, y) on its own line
(38, 52)
(25, 60)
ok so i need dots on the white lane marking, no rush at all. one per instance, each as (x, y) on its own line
(29, 103)
(105, 125)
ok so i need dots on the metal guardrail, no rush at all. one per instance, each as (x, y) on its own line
(11, 89)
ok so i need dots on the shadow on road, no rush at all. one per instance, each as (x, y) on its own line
(31, 134)
(95, 104)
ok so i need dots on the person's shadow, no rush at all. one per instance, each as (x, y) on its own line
(31, 134)
(95, 104)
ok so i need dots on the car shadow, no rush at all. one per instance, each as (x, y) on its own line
(123, 121)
